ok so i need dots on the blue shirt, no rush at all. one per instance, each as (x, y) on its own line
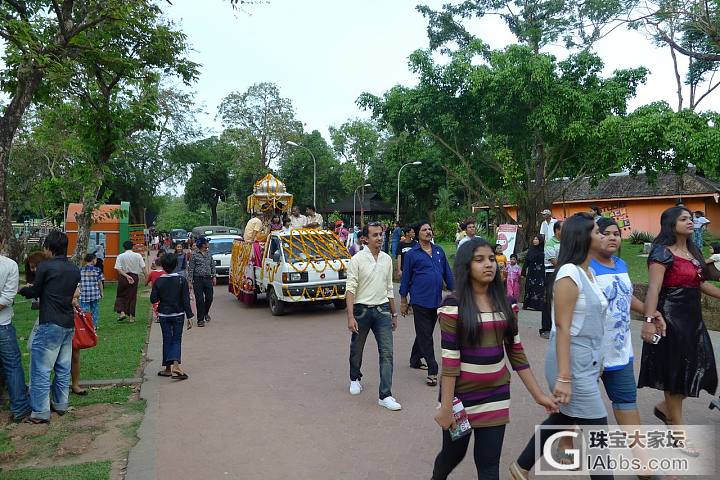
(396, 234)
(423, 276)
(618, 289)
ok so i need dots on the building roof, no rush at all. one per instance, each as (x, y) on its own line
(623, 186)
(105, 213)
(371, 205)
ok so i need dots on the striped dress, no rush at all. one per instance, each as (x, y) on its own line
(483, 379)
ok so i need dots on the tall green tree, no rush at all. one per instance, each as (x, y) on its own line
(296, 170)
(39, 39)
(212, 165)
(513, 123)
(260, 122)
(359, 143)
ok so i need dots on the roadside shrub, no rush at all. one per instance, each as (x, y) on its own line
(639, 237)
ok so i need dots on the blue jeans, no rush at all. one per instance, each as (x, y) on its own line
(621, 387)
(172, 329)
(14, 373)
(379, 320)
(51, 351)
(92, 307)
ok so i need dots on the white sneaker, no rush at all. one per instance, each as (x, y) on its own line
(390, 403)
(355, 387)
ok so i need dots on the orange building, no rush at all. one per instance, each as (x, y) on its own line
(110, 227)
(636, 204)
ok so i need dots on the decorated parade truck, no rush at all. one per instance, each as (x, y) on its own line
(293, 267)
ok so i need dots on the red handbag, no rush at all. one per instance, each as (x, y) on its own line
(85, 336)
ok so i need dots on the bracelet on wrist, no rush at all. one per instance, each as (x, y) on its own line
(563, 380)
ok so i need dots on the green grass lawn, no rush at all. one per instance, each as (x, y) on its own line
(120, 345)
(82, 471)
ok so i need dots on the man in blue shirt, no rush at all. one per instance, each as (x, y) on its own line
(425, 269)
(396, 234)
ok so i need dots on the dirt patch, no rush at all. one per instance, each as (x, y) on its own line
(86, 434)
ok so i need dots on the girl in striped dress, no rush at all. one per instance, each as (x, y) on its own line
(478, 332)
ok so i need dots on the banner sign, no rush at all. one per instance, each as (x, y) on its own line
(506, 236)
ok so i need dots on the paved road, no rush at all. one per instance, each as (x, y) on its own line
(267, 399)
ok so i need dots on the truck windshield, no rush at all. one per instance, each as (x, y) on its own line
(221, 247)
(313, 247)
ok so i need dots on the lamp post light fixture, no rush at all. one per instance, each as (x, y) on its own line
(354, 194)
(397, 206)
(225, 200)
(293, 144)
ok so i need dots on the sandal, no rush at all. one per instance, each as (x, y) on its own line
(121, 319)
(164, 373)
(431, 380)
(419, 366)
(661, 416)
(690, 450)
(81, 392)
(180, 375)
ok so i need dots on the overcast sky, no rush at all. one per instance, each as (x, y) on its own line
(324, 53)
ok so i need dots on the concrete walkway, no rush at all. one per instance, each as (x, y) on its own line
(267, 399)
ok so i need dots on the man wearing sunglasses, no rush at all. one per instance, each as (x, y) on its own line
(370, 306)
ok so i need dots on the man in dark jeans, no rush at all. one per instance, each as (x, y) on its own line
(56, 280)
(201, 274)
(369, 295)
(425, 268)
(552, 250)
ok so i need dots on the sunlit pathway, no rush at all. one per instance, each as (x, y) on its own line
(267, 399)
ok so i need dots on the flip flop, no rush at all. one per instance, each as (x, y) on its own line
(420, 366)
(82, 393)
(164, 373)
(179, 376)
(661, 416)
(431, 381)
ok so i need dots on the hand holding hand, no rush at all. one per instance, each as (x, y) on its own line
(548, 402)
(660, 323)
(562, 392)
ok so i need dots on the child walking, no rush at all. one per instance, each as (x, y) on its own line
(155, 273)
(512, 283)
(91, 287)
(478, 331)
(172, 293)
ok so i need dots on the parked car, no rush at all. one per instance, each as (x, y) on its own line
(221, 250)
(179, 235)
(208, 230)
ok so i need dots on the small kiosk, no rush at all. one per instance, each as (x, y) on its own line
(110, 228)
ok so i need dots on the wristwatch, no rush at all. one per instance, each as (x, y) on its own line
(649, 319)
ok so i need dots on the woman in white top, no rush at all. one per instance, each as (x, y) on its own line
(575, 356)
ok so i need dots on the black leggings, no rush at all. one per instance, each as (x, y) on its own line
(527, 458)
(487, 449)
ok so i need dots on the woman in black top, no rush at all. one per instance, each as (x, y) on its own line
(173, 293)
(534, 272)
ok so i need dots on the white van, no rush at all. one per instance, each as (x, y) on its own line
(220, 247)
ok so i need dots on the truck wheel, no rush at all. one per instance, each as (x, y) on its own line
(340, 304)
(277, 306)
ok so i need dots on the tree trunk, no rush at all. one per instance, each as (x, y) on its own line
(213, 212)
(85, 222)
(28, 80)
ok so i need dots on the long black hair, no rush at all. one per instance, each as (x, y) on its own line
(667, 237)
(574, 242)
(467, 308)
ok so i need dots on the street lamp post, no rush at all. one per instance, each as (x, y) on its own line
(293, 144)
(225, 200)
(354, 194)
(397, 207)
